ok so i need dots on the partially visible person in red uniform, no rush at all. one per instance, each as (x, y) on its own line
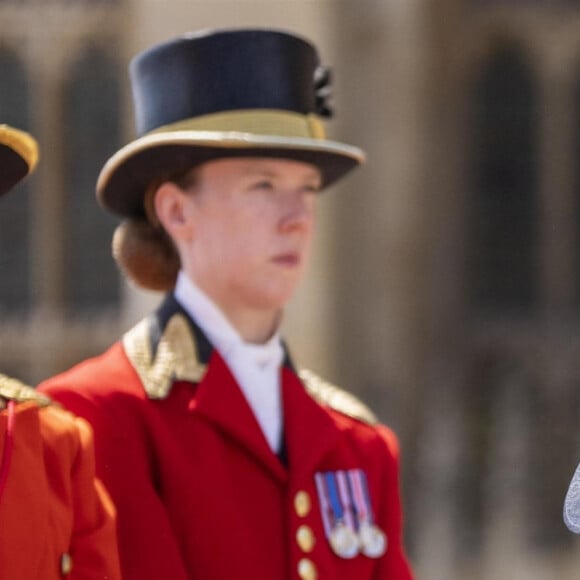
(225, 461)
(56, 520)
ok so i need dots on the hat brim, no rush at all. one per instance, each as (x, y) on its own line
(125, 177)
(18, 156)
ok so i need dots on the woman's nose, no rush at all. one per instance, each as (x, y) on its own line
(298, 212)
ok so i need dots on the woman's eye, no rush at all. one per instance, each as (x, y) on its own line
(311, 188)
(264, 185)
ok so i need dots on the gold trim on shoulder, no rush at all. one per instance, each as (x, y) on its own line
(176, 358)
(13, 390)
(336, 398)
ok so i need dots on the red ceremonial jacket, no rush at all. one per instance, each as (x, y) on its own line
(198, 491)
(56, 521)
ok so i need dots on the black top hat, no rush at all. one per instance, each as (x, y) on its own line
(18, 156)
(219, 94)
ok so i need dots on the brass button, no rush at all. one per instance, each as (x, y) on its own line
(305, 538)
(302, 503)
(66, 564)
(307, 569)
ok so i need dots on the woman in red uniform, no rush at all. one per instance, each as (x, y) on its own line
(56, 521)
(223, 459)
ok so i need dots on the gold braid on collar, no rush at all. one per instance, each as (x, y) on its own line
(335, 398)
(175, 359)
(13, 390)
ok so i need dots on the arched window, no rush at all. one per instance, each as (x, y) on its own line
(91, 135)
(15, 290)
(502, 222)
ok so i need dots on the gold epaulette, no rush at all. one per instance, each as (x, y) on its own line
(13, 390)
(336, 398)
(175, 357)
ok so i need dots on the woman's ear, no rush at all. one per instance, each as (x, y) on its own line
(171, 208)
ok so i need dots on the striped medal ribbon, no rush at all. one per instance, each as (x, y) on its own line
(337, 515)
(373, 541)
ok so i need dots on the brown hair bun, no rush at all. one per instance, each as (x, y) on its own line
(146, 255)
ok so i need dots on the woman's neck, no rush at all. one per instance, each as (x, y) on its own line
(255, 327)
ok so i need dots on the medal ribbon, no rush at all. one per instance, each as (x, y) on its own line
(341, 534)
(361, 498)
(334, 498)
(367, 495)
(345, 496)
(326, 510)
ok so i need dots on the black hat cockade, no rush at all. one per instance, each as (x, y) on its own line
(18, 156)
(225, 93)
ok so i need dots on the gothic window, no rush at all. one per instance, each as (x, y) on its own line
(91, 136)
(502, 206)
(14, 216)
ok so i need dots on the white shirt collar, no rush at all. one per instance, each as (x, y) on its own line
(218, 329)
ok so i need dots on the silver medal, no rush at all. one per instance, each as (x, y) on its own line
(344, 541)
(373, 541)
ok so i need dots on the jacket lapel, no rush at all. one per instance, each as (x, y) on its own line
(309, 431)
(220, 400)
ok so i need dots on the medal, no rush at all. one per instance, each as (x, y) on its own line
(338, 521)
(347, 514)
(344, 541)
(373, 541)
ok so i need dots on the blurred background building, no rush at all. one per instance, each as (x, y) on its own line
(445, 288)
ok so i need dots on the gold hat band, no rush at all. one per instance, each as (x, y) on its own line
(256, 121)
(22, 143)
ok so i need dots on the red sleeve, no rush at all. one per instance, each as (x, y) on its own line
(394, 565)
(147, 547)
